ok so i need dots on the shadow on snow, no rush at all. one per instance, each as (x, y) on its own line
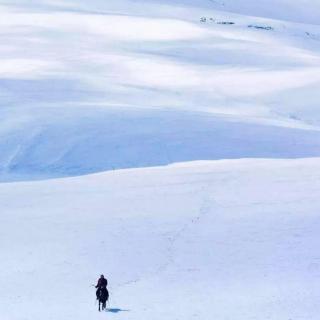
(116, 310)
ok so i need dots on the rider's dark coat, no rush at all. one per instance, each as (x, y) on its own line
(102, 283)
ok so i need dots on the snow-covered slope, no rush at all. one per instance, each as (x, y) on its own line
(71, 70)
(214, 240)
(93, 86)
(306, 11)
(68, 142)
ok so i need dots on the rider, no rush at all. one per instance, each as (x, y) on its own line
(101, 285)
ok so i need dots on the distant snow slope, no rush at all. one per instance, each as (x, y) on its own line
(61, 61)
(211, 240)
(72, 141)
(305, 11)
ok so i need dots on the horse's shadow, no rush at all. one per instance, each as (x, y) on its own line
(116, 310)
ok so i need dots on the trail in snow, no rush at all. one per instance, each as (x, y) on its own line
(186, 241)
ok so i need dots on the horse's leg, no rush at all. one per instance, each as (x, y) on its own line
(99, 306)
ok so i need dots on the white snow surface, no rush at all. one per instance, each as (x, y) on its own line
(211, 111)
(92, 86)
(229, 239)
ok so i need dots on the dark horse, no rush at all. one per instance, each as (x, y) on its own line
(102, 296)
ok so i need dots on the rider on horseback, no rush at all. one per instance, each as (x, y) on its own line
(102, 292)
(101, 285)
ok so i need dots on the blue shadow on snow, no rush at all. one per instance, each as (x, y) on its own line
(116, 310)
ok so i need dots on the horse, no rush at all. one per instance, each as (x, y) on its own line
(102, 296)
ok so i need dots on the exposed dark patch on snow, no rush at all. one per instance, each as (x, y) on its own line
(259, 27)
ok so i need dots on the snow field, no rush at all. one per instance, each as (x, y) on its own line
(219, 239)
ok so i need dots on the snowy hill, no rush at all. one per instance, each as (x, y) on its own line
(222, 96)
(226, 240)
(69, 142)
(306, 11)
(71, 71)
